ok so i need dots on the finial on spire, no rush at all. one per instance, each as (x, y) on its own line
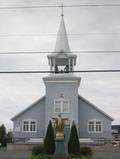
(62, 10)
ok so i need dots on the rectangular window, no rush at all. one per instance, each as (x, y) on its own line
(61, 106)
(65, 108)
(32, 126)
(91, 126)
(25, 126)
(94, 126)
(57, 106)
(98, 126)
(29, 126)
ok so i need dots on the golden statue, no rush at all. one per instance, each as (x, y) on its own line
(59, 124)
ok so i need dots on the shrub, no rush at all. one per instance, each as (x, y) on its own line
(86, 151)
(38, 150)
(9, 136)
(73, 143)
(3, 138)
(83, 157)
(31, 157)
(49, 141)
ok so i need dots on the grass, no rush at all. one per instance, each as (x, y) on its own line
(51, 157)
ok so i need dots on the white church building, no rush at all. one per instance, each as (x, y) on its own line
(62, 98)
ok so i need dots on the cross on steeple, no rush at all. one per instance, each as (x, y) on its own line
(62, 10)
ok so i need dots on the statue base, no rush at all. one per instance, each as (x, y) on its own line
(59, 148)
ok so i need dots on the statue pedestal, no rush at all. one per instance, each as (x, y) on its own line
(59, 148)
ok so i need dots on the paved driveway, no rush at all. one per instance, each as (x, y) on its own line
(14, 154)
(23, 155)
(106, 155)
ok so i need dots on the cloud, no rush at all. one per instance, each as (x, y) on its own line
(18, 91)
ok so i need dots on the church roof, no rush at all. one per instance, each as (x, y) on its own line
(29, 107)
(95, 107)
(80, 97)
(62, 44)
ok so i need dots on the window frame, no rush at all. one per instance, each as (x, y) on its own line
(95, 125)
(61, 105)
(57, 106)
(29, 125)
(25, 126)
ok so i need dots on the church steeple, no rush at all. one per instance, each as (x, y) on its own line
(62, 60)
(62, 44)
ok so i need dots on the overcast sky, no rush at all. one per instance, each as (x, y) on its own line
(18, 91)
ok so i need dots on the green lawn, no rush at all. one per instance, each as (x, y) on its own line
(51, 157)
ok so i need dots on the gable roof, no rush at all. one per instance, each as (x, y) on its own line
(29, 107)
(80, 97)
(96, 108)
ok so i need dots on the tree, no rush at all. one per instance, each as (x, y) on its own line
(3, 140)
(73, 143)
(9, 136)
(49, 141)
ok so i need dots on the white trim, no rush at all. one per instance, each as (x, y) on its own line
(68, 101)
(54, 64)
(36, 140)
(94, 121)
(55, 105)
(86, 140)
(69, 64)
(61, 105)
(63, 81)
(50, 63)
(29, 121)
(73, 65)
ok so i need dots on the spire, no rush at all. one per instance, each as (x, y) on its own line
(62, 44)
(62, 60)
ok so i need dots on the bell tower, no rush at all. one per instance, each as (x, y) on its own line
(62, 60)
(61, 84)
